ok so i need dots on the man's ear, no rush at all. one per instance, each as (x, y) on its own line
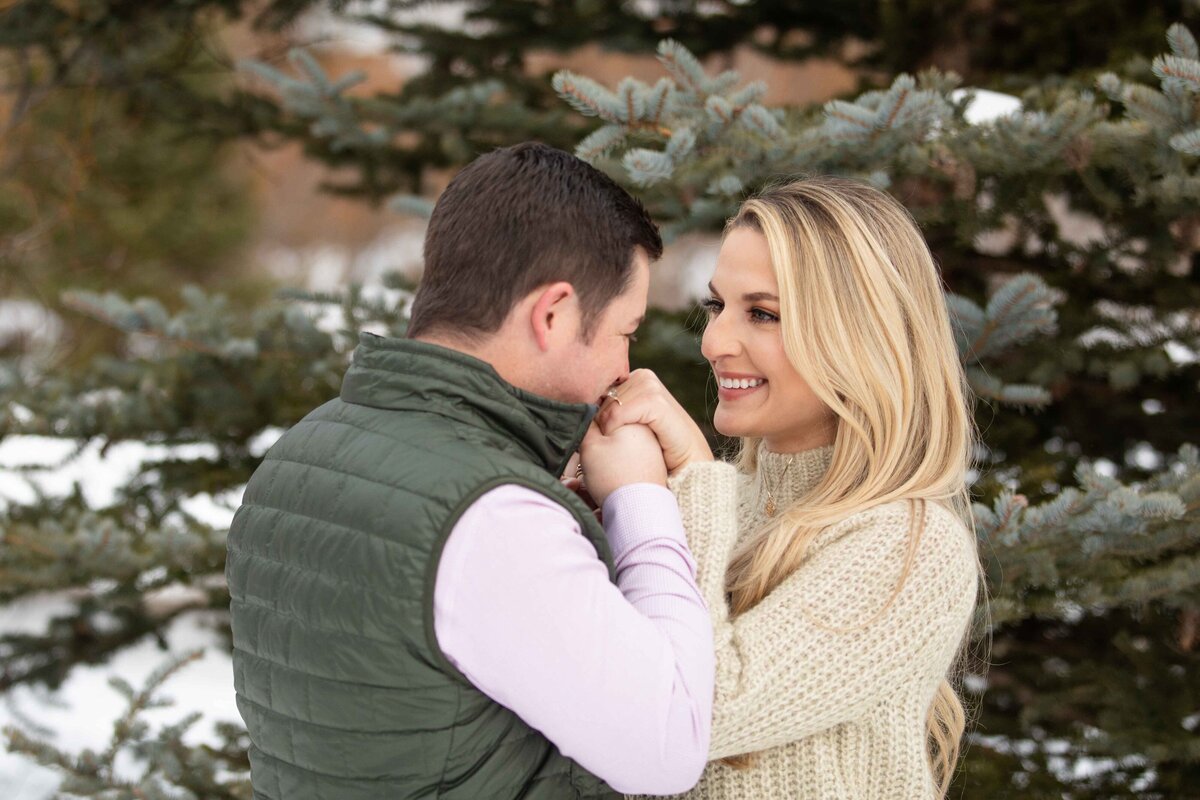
(555, 314)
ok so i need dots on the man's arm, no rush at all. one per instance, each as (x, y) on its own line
(619, 678)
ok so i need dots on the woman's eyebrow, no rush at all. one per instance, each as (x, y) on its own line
(752, 297)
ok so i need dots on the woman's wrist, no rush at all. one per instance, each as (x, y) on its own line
(695, 457)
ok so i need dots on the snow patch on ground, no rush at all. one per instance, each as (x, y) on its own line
(987, 106)
(80, 714)
(101, 476)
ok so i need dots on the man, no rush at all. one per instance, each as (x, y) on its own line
(420, 607)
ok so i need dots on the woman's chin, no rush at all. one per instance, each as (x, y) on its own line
(727, 424)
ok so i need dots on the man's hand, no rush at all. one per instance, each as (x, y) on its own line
(645, 401)
(629, 455)
(572, 481)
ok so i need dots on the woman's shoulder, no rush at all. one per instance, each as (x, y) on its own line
(900, 512)
(943, 533)
(873, 542)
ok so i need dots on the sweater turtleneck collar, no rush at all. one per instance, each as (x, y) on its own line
(790, 476)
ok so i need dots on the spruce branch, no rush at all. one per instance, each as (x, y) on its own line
(1184, 70)
(1187, 143)
(587, 97)
(1077, 549)
(168, 767)
(683, 66)
(648, 167)
(657, 101)
(1019, 309)
(989, 387)
(599, 142)
(1182, 43)
(369, 127)
(220, 372)
(55, 544)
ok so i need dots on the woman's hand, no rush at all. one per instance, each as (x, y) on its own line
(630, 454)
(645, 401)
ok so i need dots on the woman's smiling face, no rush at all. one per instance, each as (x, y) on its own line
(760, 393)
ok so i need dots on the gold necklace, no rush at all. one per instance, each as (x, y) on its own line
(771, 506)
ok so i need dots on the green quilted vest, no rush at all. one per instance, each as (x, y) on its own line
(332, 560)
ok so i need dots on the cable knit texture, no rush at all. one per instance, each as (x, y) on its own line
(830, 695)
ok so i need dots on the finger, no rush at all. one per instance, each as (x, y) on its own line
(639, 409)
(618, 396)
(614, 415)
(572, 466)
(647, 381)
(644, 374)
(641, 388)
(651, 390)
(643, 377)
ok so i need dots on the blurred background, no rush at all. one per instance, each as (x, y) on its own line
(203, 202)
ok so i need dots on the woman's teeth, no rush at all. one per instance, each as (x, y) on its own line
(742, 383)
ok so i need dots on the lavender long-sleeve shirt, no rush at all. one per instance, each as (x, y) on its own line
(619, 678)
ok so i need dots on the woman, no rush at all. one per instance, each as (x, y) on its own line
(837, 555)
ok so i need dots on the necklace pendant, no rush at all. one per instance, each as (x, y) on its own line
(770, 506)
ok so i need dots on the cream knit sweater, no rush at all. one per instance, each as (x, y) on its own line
(830, 713)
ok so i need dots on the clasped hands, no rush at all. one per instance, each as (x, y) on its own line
(643, 435)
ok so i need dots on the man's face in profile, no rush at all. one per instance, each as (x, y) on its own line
(593, 366)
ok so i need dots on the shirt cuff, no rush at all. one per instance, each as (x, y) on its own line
(639, 512)
(705, 475)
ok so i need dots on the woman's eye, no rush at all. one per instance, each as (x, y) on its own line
(712, 305)
(759, 315)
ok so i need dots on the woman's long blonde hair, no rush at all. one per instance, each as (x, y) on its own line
(864, 321)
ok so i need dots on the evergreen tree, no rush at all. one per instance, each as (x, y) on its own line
(1077, 332)
(1093, 580)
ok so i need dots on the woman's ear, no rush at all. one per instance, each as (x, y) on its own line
(554, 316)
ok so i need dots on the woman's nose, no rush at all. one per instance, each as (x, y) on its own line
(717, 340)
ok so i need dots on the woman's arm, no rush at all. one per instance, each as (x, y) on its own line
(802, 660)
(707, 493)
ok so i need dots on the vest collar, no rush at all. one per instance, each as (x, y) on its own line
(405, 374)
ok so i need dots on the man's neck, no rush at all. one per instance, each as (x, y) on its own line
(498, 354)
(450, 343)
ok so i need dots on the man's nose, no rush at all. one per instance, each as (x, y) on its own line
(617, 381)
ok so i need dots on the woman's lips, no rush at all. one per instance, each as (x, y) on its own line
(737, 394)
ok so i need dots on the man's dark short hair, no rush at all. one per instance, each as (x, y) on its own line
(522, 217)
